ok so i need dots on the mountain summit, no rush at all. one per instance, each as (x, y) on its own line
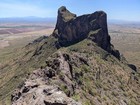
(71, 29)
(76, 65)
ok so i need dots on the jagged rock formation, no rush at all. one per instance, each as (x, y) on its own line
(39, 89)
(71, 29)
(35, 91)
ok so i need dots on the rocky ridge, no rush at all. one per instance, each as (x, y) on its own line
(85, 68)
(36, 91)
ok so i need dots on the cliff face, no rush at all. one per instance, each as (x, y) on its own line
(71, 29)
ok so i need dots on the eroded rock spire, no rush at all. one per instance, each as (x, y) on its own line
(71, 29)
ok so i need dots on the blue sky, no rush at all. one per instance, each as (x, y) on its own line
(116, 9)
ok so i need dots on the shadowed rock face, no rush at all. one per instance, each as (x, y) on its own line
(71, 29)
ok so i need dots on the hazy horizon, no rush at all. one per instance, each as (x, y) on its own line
(35, 18)
(126, 10)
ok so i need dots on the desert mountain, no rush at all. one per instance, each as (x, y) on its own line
(71, 29)
(76, 65)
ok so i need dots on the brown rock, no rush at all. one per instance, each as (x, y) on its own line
(44, 95)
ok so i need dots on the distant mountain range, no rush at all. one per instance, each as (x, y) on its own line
(28, 19)
(115, 21)
(53, 19)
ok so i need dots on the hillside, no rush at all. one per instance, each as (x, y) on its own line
(75, 65)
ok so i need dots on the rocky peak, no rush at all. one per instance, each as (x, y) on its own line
(65, 15)
(71, 29)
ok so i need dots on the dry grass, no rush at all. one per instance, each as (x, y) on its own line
(10, 42)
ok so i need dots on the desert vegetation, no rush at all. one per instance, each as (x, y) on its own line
(126, 38)
(17, 35)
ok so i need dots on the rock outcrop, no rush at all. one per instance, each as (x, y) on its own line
(37, 90)
(40, 88)
(41, 95)
(71, 29)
